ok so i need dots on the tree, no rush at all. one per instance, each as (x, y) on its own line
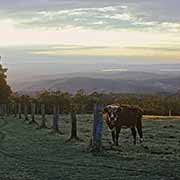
(55, 97)
(5, 90)
(80, 99)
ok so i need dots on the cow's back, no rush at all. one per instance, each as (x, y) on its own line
(129, 116)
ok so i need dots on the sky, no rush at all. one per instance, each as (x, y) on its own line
(78, 27)
(121, 30)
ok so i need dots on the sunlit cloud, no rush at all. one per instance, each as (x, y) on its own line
(161, 53)
(114, 70)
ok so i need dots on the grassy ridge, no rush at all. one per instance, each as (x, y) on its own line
(30, 154)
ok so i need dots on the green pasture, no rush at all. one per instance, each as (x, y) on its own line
(27, 153)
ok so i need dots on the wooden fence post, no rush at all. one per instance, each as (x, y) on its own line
(10, 109)
(15, 109)
(19, 110)
(1, 110)
(73, 125)
(56, 119)
(96, 145)
(170, 112)
(55, 123)
(26, 112)
(73, 135)
(43, 116)
(5, 107)
(33, 111)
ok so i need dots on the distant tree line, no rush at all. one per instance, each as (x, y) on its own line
(83, 103)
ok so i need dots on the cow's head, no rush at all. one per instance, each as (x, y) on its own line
(112, 111)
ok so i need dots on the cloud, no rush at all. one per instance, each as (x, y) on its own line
(120, 15)
(99, 17)
(14, 5)
(149, 10)
(156, 10)
(123, 17)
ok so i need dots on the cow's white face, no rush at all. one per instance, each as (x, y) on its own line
(112, 112)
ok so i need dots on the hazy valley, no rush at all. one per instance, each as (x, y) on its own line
(125, 79)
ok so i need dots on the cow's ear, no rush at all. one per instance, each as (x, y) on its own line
(119, 109)
(105, 110)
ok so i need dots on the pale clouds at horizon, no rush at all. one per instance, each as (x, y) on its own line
(110, 28)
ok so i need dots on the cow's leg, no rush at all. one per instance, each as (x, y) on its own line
(117, 135)
(140, 134)
(139, 128)
(134, 134)
(113, 135)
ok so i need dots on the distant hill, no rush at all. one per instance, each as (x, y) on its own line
(89, 84)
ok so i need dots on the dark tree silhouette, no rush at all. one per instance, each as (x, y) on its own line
(5, 89)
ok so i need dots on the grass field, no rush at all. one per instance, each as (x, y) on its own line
(30, 154)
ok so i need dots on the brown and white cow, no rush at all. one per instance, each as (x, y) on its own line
(123, 116)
